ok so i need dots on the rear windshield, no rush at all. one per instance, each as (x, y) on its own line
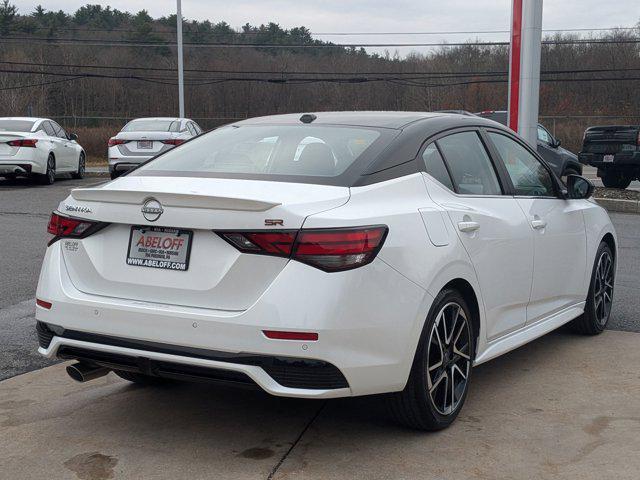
(16, 125)
(152, 126)
(271, 151)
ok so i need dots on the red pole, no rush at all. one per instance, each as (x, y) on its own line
(514, 67)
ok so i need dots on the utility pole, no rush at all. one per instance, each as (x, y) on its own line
(524, 68)
(180, 60)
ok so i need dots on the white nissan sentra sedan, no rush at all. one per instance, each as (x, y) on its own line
(144, 138)
(327, 255)
(38, 148)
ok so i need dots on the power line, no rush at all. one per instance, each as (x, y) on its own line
(329, 34)
(418, 82)
(304, 72)
(128, 43)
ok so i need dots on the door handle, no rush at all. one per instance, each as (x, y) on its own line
(538, 224)
(468, 226)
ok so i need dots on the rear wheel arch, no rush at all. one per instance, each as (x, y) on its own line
(469, 294)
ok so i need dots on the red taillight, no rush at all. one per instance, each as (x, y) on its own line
(61, 227)
(173, 141)
(113, 141)
(280, 335)
(264, 243)
(43, 304)
(330, 249)
(25, 142)
(339, 249)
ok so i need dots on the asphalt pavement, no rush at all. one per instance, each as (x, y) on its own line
(563, 407)
(24, 213)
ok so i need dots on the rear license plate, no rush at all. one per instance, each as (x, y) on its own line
(145, 144)
(608, 158)
(159, 247)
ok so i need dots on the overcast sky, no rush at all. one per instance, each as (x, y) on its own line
(378, 15)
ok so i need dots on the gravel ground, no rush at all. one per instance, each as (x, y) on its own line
(601, 192)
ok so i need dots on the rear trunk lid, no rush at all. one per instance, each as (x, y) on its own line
(610, 139)
(145, 143)
(218, 275)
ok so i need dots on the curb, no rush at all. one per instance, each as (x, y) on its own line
(619, 205)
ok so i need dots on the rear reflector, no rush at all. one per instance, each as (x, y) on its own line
(303, 336)
(43, 304)
(22, 143)
(329, 249)
(174, 141)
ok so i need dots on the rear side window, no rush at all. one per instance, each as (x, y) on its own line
(469, 164)
(434, 165)
(269, 150)
(48, 128)
(528, 175)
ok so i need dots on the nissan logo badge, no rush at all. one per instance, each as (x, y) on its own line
(152, 209)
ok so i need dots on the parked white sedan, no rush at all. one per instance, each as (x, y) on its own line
(327, 255)
(144, 138)
(40, 148)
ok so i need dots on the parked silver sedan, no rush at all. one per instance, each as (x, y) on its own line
(144, 138)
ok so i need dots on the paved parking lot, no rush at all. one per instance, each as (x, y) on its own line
(563, 407)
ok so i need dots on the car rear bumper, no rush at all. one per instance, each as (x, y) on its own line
(24, 162)
(363, 339)
(620, 160)
(122, 164)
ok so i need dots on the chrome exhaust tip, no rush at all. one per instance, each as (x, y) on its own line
(83, 372)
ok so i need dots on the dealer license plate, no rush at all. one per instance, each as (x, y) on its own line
(608, 158)
(159, 247)
(145, 144)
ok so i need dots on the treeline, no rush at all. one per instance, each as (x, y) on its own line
(92, 63)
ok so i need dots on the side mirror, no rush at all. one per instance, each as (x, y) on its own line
(579, 187)
(73, 137)
(556, 143)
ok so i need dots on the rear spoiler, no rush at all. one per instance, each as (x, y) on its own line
(172, 199)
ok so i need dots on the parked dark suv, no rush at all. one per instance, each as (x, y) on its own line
(615, 151)
(562, 161)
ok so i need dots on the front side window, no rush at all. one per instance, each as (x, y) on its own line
(59, 130)
(469, 164)
(543, 135)
(529, 177)
(323, 151)
(434, 165)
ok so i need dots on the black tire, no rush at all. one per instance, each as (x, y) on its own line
(114, 174)
(79, 174)
(420, 405)
(615, 179)
(50, 176)
(600, 297)
(141, 379)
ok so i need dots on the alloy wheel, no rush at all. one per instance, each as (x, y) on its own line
(603, 287)
(51, 169)
(81, 165)
(448, 358)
